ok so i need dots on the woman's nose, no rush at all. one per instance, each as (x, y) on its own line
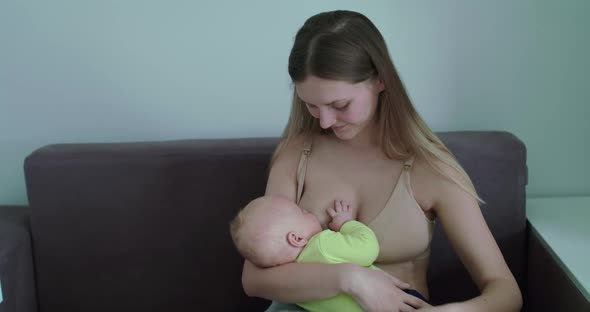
(327, 118)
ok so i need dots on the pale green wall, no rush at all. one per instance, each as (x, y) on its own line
(523, 66)
(105, 71)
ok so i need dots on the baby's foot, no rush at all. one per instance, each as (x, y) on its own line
(340, 214)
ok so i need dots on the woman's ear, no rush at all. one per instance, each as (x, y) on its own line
(380, 85)
(296, 240)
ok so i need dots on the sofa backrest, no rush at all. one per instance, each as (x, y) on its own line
(130, 226)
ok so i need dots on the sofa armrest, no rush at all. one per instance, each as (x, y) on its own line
(16, 261)
(549, 288)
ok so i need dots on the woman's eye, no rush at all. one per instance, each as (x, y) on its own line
(310, 106)
(342, 107)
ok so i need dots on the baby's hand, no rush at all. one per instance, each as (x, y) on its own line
(340, 214)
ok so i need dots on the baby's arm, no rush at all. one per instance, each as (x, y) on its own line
(354, 243)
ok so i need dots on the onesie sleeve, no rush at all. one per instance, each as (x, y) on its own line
(355, 243)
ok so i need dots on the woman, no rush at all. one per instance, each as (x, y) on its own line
(354, 134)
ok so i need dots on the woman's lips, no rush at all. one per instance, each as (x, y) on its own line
(338, 128)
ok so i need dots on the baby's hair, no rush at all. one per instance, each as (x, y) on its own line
(236, 228)
(236, 225)
(247, 247)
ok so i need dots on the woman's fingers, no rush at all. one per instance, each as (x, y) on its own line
(398, 282)
(406, 308)
(414, 301)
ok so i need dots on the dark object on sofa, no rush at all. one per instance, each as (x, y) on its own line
(144, 226)
(16, 261)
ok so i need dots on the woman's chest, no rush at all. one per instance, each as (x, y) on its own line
(367, 186)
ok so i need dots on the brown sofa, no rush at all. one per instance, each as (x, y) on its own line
(144, 226)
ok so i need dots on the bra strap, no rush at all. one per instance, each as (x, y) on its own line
(408, 163)
(301, 169)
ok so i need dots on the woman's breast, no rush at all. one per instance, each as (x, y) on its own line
(318, 201)
(366, 190)
(403, 231)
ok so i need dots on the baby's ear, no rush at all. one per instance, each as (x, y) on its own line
(296, 240)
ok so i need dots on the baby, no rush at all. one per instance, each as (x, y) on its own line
(272, 230)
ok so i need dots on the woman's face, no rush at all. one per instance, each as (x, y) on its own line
(345, 108)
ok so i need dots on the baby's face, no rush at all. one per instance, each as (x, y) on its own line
(286, 212)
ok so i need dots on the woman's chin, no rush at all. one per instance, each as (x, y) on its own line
(344, 134)
(340, 131)
(346, 137)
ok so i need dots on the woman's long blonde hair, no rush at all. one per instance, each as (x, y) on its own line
(346, 46)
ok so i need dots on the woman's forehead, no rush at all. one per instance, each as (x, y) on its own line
(320, 91)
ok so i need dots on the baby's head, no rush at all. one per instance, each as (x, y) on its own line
(272, 230)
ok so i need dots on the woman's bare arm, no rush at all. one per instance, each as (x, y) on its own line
(301, 282)
(473, 242)
(292, 282)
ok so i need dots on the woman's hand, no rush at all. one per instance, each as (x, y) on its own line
(378, 291)
(452, 307)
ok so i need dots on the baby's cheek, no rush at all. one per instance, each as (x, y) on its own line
(324, 220)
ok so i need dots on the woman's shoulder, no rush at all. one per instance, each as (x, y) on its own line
(431, 180)
(290, 148)
(434, 183)
(283, 167)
